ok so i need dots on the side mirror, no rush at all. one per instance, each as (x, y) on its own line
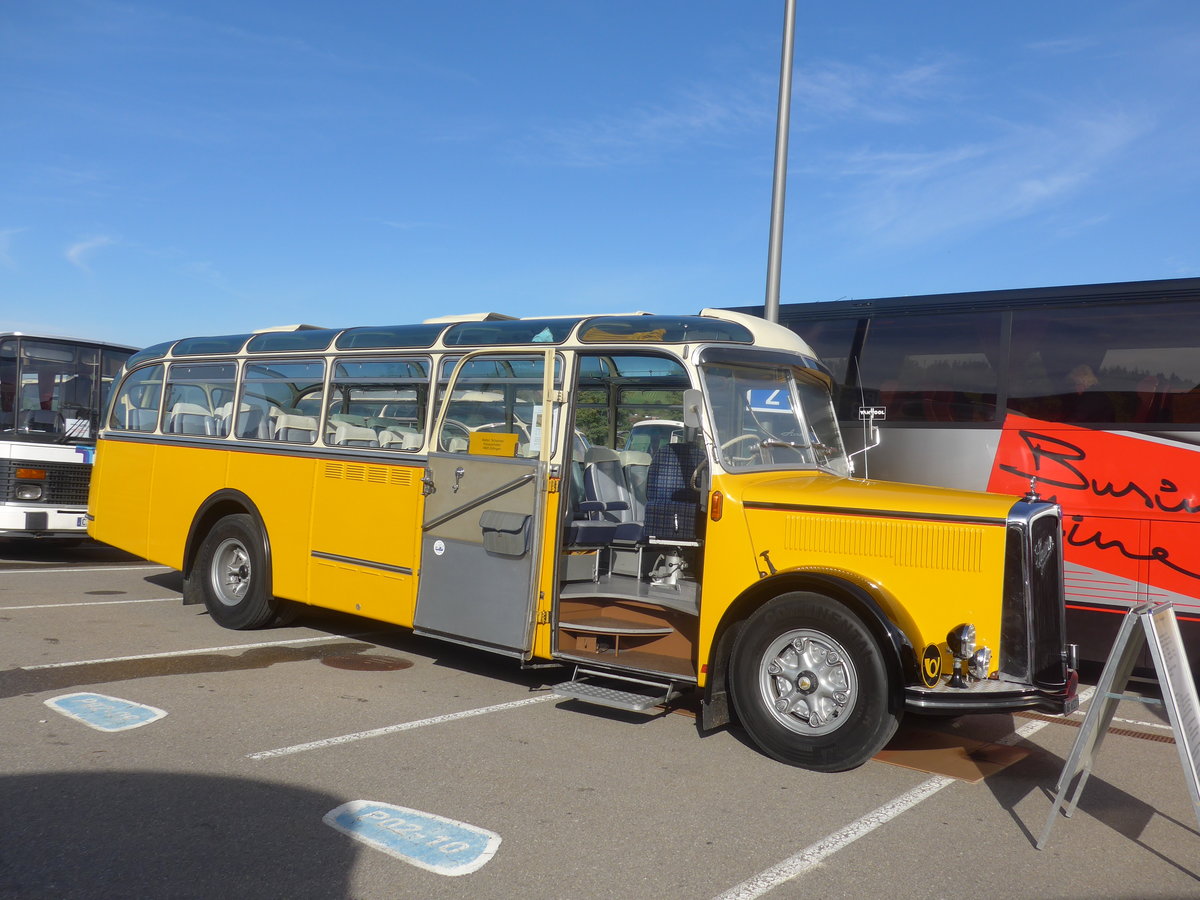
(693, 406)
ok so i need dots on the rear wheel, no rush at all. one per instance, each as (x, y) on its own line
(232, 571)
(809, 684)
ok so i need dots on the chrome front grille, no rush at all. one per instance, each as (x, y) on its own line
(1033, 624)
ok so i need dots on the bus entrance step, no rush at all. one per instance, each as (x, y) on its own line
(620, 693)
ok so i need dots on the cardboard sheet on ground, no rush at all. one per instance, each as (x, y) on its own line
(952, 755)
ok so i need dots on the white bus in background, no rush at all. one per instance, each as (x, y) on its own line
(52, 391)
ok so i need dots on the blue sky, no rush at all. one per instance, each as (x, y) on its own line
(177, 168)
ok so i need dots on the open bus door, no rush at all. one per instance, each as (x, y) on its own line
(481, 539)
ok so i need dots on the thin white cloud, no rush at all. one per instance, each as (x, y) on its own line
(646, 132)
(80, 252)
(1063, 46)
(707, 113)
(881, 93)
(906, 198)
(6, 240)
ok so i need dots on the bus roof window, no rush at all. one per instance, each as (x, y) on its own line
(662, 329)
(389, 337)
(302, 341)
(157, 351)
(516, 331)
(202, 346)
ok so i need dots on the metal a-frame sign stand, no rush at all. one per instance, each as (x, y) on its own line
(1156, 623)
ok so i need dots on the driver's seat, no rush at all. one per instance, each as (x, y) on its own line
(672, 504)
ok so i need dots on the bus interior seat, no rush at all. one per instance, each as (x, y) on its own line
(139, 418)
(347, 435)
(604, 483)
(191, 423)
(403, 440)
(295, 428)
(637, 466)
(252, 423)
(672, 504)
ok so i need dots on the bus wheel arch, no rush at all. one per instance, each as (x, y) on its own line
(809, 614)
(227, 564)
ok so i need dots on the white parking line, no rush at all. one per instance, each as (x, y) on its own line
(810, 856)
(196, 652)
(61, 569)
(86, 603)
(402, 726)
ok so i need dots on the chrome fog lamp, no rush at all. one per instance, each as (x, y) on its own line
(29, 492)
(961, 641)
(981, 662)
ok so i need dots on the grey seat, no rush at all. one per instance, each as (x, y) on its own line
(604, 483)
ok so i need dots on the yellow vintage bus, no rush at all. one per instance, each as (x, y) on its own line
(466, 478)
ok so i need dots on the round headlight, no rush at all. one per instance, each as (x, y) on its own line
(961, 641)
(980, 663)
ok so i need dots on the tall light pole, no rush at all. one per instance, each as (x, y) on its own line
(779, 186)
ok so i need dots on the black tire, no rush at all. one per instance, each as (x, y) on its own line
(231, 573)
(810, 686)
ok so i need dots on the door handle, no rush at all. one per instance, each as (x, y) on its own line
(458, 474)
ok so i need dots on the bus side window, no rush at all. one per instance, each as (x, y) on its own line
(1127, 363)
(195, 394)
(933, 368)
(270, 397)
(378, 403)
(137, 402)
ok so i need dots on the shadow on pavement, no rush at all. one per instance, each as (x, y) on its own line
(152, 834)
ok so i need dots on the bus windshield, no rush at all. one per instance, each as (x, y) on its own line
(51, 391)
(772, 417)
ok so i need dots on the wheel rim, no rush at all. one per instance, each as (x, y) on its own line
(808, 682)
(231, 572)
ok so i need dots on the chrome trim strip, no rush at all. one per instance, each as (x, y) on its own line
(365, 563)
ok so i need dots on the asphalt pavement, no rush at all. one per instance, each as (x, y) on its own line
(147, 752)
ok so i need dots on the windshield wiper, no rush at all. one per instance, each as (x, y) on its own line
(824, 449)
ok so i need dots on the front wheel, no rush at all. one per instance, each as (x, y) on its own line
(810, 686)
(232, 571)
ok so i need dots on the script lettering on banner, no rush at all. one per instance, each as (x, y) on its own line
(1108, 485)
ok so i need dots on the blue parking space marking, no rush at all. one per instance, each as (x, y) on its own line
(105, 713)
(431, 842)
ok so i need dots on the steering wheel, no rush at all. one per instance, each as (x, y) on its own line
(733, 442)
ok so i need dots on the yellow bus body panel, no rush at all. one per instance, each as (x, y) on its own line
(184, 477)
(360, 512)
(932, 558)
(122, 480)
(368, 515)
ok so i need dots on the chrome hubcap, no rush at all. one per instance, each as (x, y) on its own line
(808, 682)
(231, 572)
